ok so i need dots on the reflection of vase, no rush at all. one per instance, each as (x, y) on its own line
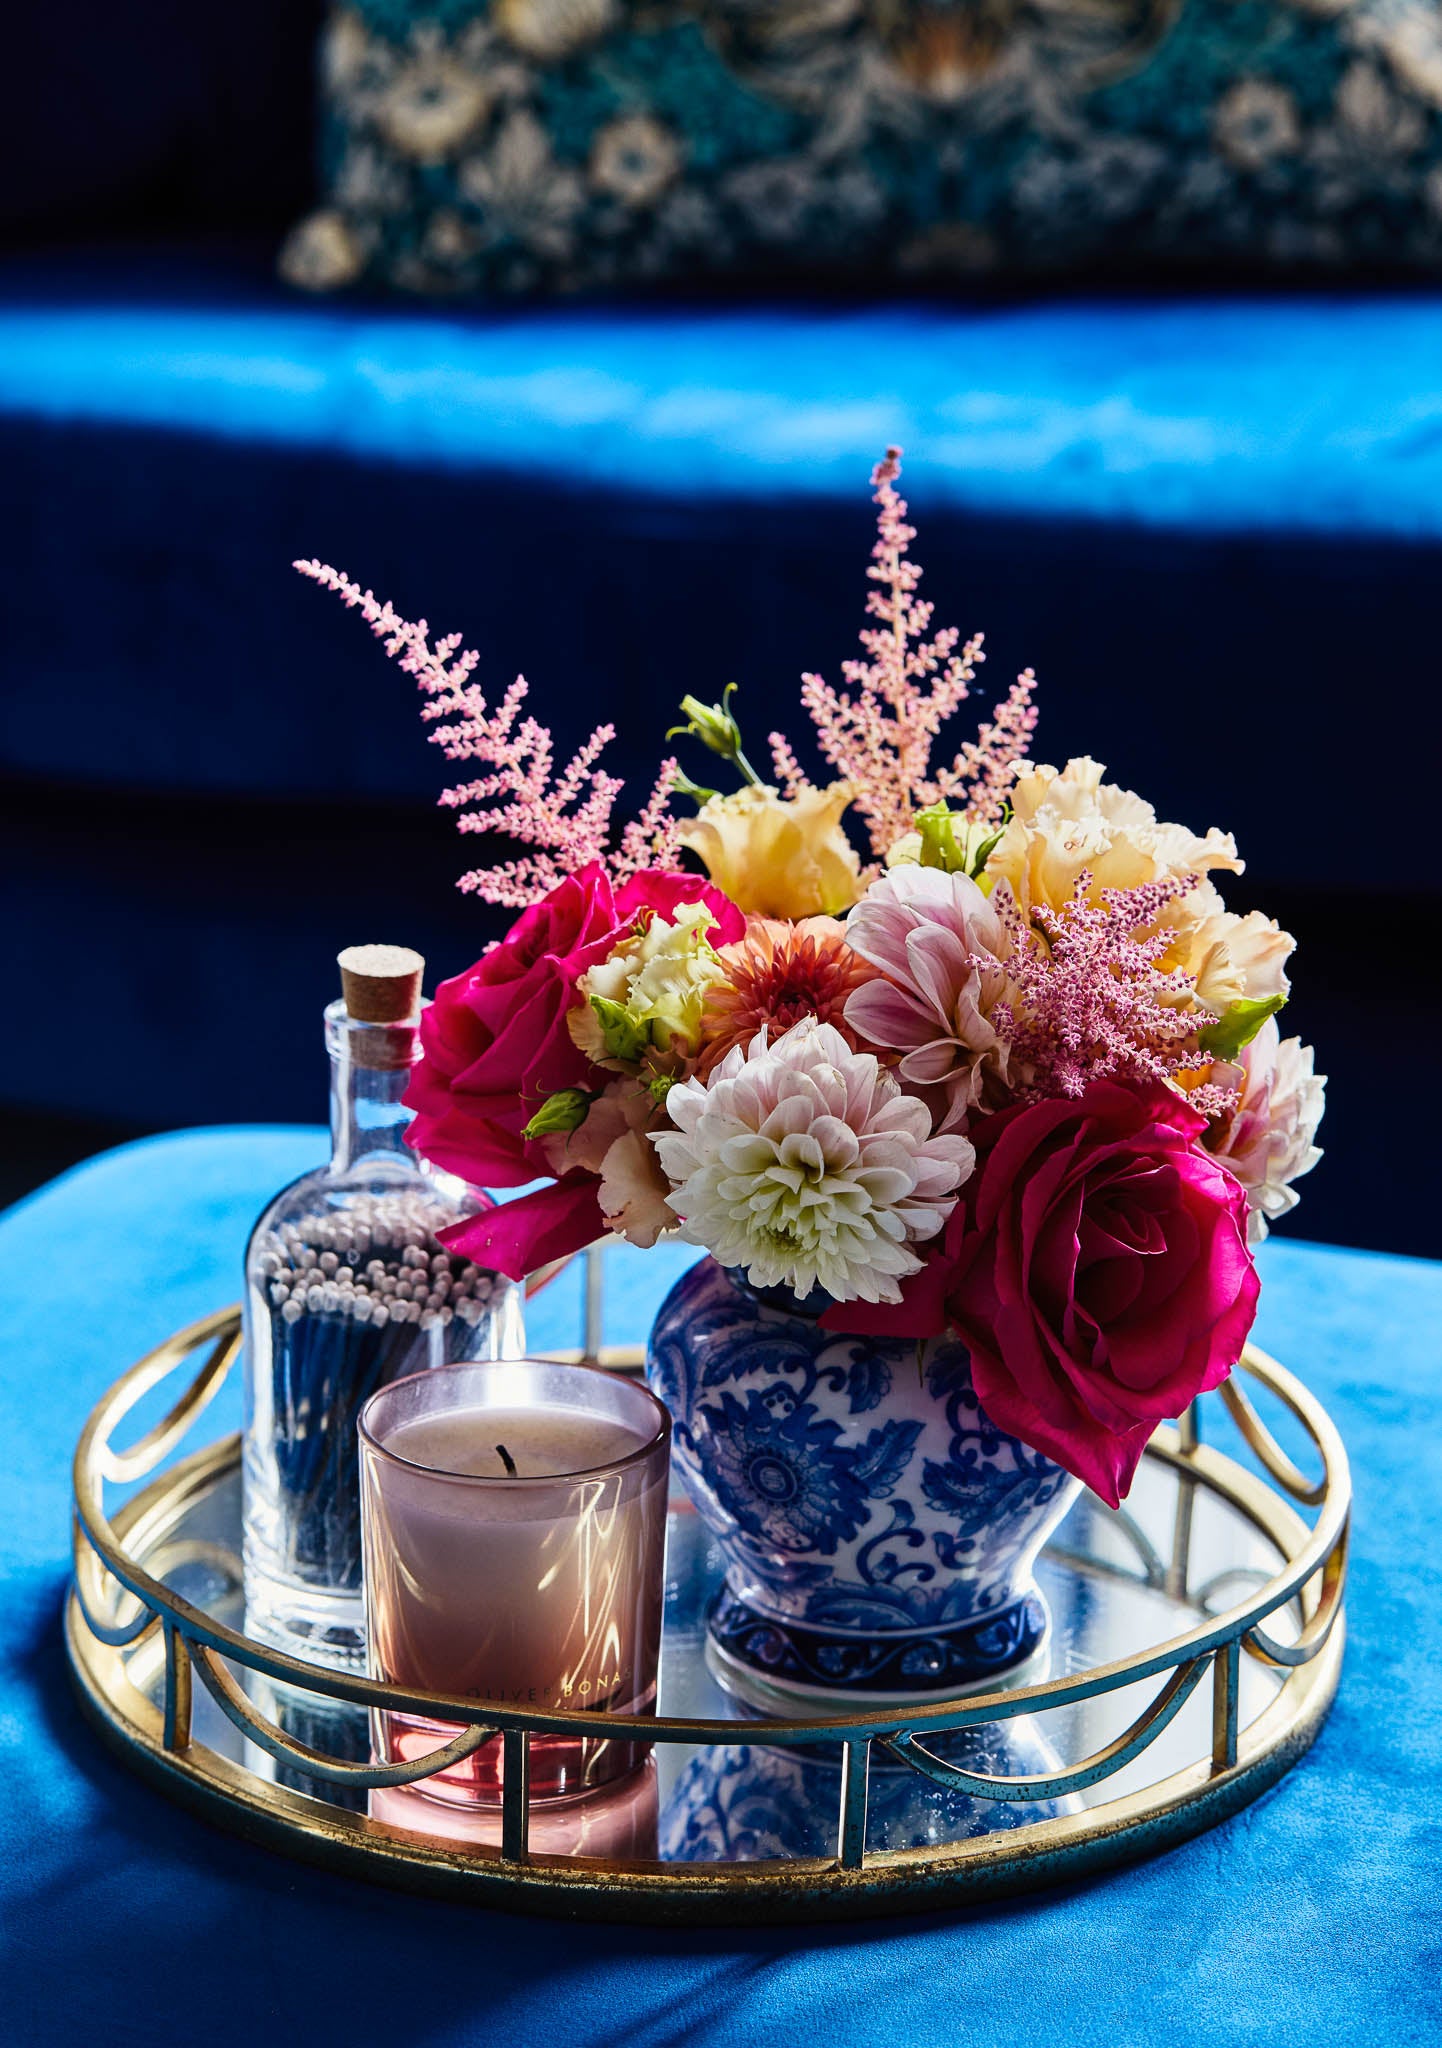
(879, 1532)
(743, 1805)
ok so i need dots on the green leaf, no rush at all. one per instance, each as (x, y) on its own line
(624, 1038)
(566, 1110)
(1237, 1026)
(983, 853)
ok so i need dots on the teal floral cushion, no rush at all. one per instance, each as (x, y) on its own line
(553, 145)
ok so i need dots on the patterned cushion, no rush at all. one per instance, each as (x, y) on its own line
(555, 145)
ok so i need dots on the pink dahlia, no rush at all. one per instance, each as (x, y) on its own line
(1267, 1140)
(926, 931)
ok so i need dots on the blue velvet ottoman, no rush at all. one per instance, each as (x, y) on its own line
(1312, 1918)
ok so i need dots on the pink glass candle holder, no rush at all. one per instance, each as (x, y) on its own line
(514, 1529)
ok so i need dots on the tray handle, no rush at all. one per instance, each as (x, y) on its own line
(238, 1708)
(1129, 1744)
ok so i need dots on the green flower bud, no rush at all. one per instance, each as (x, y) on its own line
(938, 840)
(716, 728)
(566, 1110)
(941, 847)
(624, 1036)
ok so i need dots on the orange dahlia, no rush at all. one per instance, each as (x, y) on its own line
(778, 974)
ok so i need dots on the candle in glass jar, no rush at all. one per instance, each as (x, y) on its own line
(514, 1528)
(511, 1443)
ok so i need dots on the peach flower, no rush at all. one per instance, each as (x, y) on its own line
(775, 976)
(1232, 959)
(612, 1143)
(778, 856)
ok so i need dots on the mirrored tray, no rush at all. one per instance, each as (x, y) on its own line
(1196, 1647)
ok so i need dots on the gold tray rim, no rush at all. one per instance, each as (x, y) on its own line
(1244, 1761)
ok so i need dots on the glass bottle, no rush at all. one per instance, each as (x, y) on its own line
(346, 1289)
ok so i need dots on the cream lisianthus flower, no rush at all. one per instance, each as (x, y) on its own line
(1232, 959)
(804, 1163)
(904, 852)
(778, 856)
(1067, 821)
(1267, 1142)
(648, 994)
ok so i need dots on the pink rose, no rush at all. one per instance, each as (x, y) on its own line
(495, 1045)
(494, 1042)
(663, 891)
(1096, 1264)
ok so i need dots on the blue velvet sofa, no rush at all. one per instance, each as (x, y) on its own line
(1212, 524)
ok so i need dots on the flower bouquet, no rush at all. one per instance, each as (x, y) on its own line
(978, 1120)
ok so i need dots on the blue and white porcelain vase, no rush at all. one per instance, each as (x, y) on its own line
(879, 1532)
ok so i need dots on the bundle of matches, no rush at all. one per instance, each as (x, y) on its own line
(376, 1261)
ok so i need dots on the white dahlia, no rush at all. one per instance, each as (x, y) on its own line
(804, 1163)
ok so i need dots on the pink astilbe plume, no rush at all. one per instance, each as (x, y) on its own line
(565, 819)
(979, 780)
(879, 733)
(1091, 1001)
(787, 767)
(653, 839)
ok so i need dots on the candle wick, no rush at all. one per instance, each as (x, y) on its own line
(507, 1460)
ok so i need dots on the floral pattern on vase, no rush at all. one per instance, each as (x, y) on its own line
(879, 1531)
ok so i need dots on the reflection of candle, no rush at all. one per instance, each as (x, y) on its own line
(617, 1823)
(514, 1525)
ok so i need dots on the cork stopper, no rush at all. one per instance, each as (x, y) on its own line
(381, 984)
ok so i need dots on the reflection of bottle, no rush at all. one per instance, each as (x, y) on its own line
(348, 1288)
(334, 1727)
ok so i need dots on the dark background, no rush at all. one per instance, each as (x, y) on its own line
(212, 779)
